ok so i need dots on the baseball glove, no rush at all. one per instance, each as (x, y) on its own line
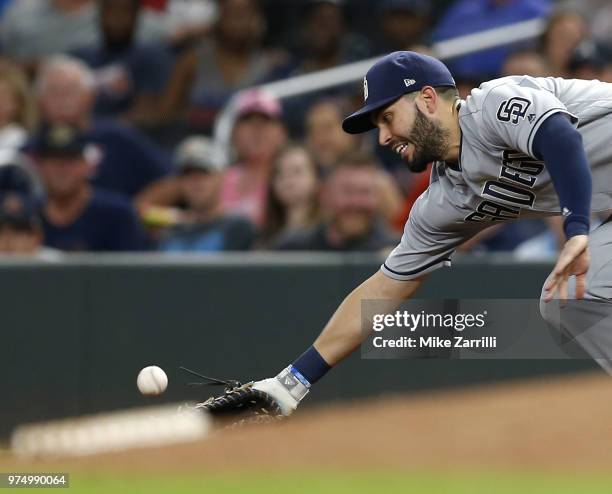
(239, 404)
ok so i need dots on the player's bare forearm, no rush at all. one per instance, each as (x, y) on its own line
(342, 335)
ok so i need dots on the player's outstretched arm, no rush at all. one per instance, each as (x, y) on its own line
(341, 336)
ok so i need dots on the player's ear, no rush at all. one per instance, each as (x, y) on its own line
(430, 99)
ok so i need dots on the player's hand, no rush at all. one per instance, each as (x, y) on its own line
(278, 393)
(284, 389)
(574, 260)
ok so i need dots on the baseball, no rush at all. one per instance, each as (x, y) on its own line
(152, 381)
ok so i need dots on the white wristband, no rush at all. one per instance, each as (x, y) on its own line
(296, 384)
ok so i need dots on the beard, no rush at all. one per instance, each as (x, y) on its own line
(430, 140)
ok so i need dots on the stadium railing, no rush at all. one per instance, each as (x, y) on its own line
(344, 74)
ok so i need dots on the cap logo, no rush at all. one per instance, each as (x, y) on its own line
(365, 89)
(409, 82)
(61, 135)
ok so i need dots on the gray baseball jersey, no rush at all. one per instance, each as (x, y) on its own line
(497, 177)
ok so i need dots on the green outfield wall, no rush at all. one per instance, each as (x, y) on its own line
(76, 333)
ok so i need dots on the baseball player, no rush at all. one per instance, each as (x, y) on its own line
(517, 147)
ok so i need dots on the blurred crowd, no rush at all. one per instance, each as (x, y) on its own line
(107, 111)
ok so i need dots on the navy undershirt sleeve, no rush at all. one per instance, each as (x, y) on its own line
(559, 144)
(311, 365)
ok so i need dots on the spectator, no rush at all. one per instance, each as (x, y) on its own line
(597, 13)
(128, 161)
(350, 207)
(602, 24)
(324, 42)
(324, 39)
(34, 29)
(564, 32)
(21, 229)
(324, 136)
(188, 20)
(204, 227)
(183, 17)
(327, 142)
(258, 135)
(527, 62)
(17, 175)
(160, 5)
(292, 204)
(591, 60)
(17, 111)
(472, 16)
(76, 216)
(282, 20)
(219, 65)
(130, 75)
(403, 24)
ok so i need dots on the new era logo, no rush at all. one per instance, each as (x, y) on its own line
(365, 89)
(289, 381)
(409, 82)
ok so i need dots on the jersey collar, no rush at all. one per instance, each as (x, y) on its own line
(457, 165)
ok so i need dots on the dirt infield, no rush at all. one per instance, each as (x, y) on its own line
(558, 423)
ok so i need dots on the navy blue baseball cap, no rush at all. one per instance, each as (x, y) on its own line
(18, 211)
(394, 75)
(58, 141)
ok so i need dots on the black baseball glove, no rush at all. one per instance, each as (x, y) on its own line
(239, 404)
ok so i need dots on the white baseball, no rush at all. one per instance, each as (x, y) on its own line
(152, 381)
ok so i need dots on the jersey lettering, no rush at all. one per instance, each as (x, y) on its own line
(508, 192)
(492, 211)
(520, 169)
(517, 175)
(522, 162)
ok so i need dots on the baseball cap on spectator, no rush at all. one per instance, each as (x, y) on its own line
(16, 175)
(391, 77)
(198, 153)
(258, 102)
(419, 7)
(58, 141)
(18, 211)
